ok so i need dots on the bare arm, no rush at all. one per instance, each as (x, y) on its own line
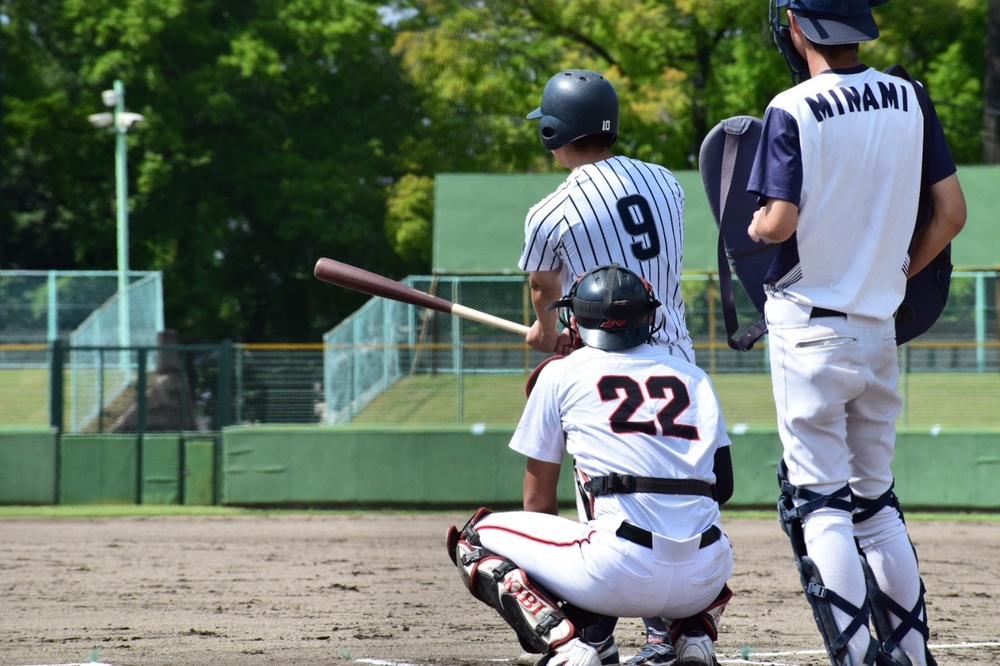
(774, 222)
(946, 221)
(540, 481)
(544, 336)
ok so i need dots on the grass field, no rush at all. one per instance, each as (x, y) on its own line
(950, 400)
(24, 397)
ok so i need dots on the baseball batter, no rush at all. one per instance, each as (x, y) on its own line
(652, 465)
(840, 168)
(610, 209)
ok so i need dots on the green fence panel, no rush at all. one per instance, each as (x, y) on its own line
(755, 457)
(934, 469)
(161, 469)
(432, 466)
(268, 465)
(199, 473)
(98, 469)
(948, 469)
(28, 465)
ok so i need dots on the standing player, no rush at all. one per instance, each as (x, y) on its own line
(841, 165)
(652, 466)
(611, 209)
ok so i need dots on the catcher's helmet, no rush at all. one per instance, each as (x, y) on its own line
(614, 308)
(576, 103)
(823, 22)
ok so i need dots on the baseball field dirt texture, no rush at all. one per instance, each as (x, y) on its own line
(378, 588)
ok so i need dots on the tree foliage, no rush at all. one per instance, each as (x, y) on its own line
(279, 131)
(269, 140)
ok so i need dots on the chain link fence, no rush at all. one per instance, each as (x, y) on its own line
(86, 309)
(37, 307)
(444, 369)
(391, 363)
(168, 387)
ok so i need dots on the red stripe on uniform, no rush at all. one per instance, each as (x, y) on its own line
(531, 537)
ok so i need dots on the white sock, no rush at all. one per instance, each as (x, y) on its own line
(829, 537)
(887, 547)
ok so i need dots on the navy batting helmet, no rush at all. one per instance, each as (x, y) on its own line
(614, 308)
(576, 103)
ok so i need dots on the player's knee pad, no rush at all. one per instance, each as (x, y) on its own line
(707, 621)
(881, 604)
(539, 622)
(794, 504)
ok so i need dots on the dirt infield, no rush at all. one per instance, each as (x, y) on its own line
(330, 588)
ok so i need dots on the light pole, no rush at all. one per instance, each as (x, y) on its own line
(119, 121)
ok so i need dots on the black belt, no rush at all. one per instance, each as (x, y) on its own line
(637, 535)
(825, 312)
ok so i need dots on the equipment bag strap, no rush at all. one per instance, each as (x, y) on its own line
(751, 335)
(626, 483)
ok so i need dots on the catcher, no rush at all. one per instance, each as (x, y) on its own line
(652, 465)
(840, 187)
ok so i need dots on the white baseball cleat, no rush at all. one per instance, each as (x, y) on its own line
(695, 649)
(607, 651)
(572, 653)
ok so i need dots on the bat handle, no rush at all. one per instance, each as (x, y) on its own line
(483, 318)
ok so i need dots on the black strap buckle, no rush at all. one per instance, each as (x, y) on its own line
(612, 483)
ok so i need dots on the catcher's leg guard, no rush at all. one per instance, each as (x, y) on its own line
(539, 622)
(881, 604)
(821, 599)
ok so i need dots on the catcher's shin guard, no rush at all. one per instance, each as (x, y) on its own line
(539, 622)
(821, 599)
(881, 604)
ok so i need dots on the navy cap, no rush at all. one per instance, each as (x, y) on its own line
(835, 21)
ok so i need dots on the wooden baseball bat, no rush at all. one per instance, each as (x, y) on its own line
(358, 279)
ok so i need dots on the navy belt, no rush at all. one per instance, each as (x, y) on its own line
(825, 312)
(637, 535)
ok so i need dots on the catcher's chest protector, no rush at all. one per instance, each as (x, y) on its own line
(725, 161)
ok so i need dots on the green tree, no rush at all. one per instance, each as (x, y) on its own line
(679, 66)
(55, 208)
(269, 142)
(279, 131)
(942, 44)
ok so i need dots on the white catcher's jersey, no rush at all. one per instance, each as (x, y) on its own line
(618, 210)
(822, 141)
(638, 412)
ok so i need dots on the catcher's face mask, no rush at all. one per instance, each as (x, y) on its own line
(782, 34)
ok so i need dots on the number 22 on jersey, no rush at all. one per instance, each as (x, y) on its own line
(631, 396)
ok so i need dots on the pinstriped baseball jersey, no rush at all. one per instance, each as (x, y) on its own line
(619, 210)
(821, 143)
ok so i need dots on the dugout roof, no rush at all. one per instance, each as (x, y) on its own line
(479, 220)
